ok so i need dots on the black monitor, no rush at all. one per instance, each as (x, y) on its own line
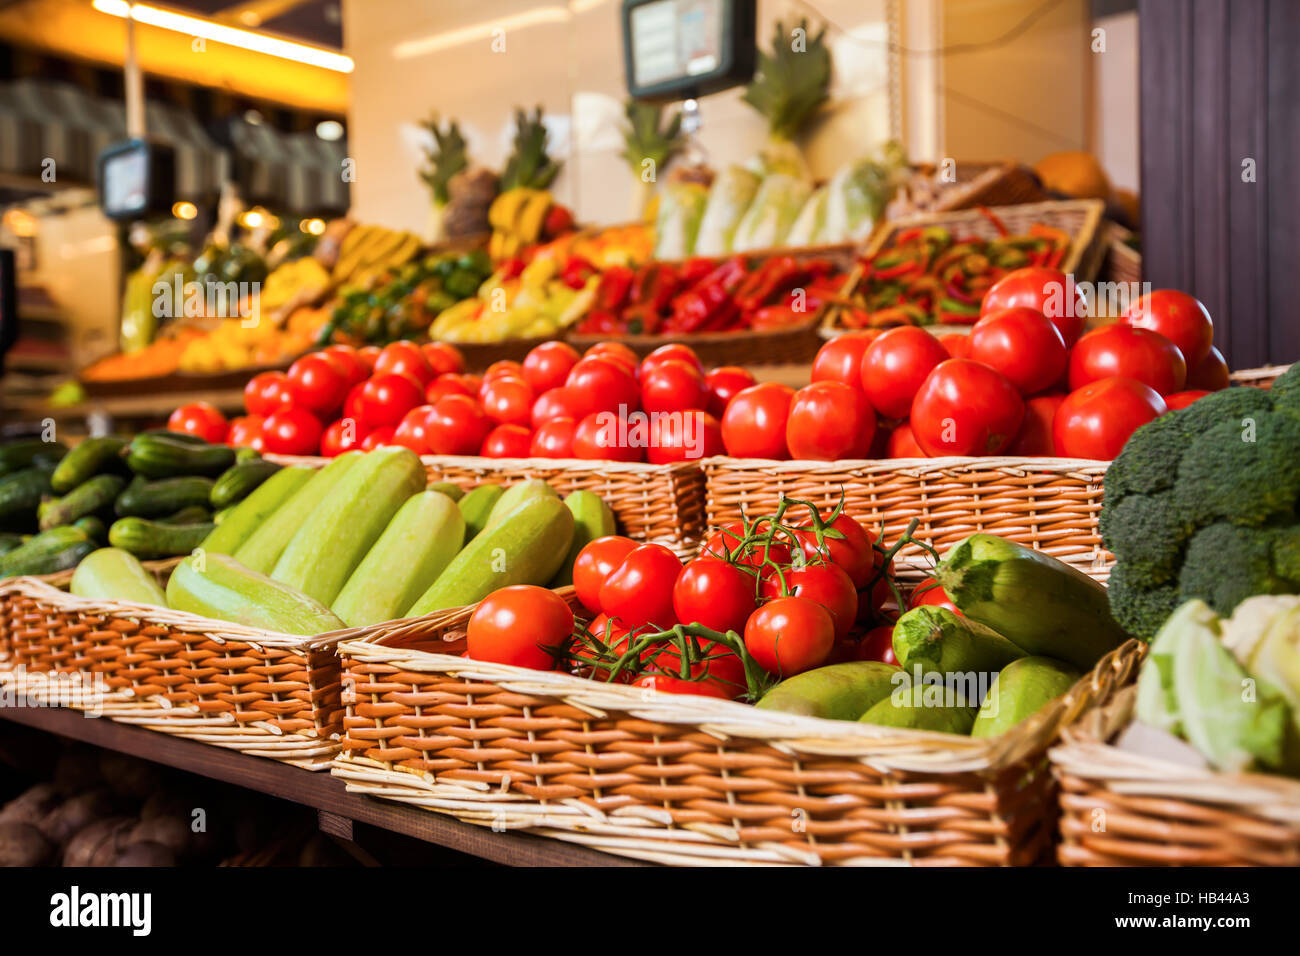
(680, 49)
(137, 179)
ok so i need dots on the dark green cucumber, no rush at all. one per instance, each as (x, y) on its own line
(193, 514)
(185, 437)
(94, 527)
(239, 480)
(55, 550)
(90, 458)
(20, 495)
(9, 541)
(154, 539)
(166, 496)
(243, 455)
(166, 456)
(25, 452)
(88, 498)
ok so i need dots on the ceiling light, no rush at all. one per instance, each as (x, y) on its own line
(184, 210)
(329, 130)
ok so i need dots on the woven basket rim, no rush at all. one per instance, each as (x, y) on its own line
(1264, 371)
(1084, 467)
(595, 465)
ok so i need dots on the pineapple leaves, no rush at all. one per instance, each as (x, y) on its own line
(792, 81)
(529, 166)
(644, 139)
(445, 159)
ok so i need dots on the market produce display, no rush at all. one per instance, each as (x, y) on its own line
(1201, 504)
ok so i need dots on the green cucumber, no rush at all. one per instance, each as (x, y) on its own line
(527, 549)
(168, 456)
(94, 527)
(23, 453)
(9, 541)
(935, 639)
(1023, 688)
(325, 551)
(244, 455)
(194, 514)
(421, 540)
(476, 508)
(836, 692)
(90, 458)
(453, 491)
(592, 519)
(153, 499)
(238, 481)
(217, 586)
(88, 498)
(111, 574)
(516, 495)
(184, 437)
(55, 550)
(262, 548)
(156, 539)
(236, 523)
(923, 706)
(20, 496)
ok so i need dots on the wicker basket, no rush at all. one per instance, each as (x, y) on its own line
(685, 779)
(479, 355)
(1123, 809)
(272, 695)
(1080, 218)
(1259, 377)
(1006, 183)
(1051, 504)
(1122, 263)
(659, 503)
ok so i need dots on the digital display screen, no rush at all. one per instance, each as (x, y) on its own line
(126, 182)
(674, 39)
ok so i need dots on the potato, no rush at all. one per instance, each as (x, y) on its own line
(21, 844)
(171, 832)
(145, 853)
(129, 776)
(77, 813)
(99, 843)
(32, 805)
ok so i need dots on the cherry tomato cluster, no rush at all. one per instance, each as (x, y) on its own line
(764, 599)
(1026, 381)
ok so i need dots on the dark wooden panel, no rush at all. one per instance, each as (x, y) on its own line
(1283, 121)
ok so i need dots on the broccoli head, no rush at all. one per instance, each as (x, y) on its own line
(1286, 390)
(1227, 563)
(1143, 466)
(1147, 534)
(1246, 471)
(1225, 405)
(1140, 610)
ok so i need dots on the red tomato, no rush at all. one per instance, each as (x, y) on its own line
(674, 351)
(672, 385)
(614, 351)
(902, 443)
(266, 392)
(955, 344)
(1050, 291)
(450, 384)
(508, 400)
(554, 403)
(663, 684)
(640, 589)
(725, 541)
(384, 399)
(599, 384)
(1175, 401)
(504, 367)
(443, 358)
(553, 439)
(1023, 345)
(853, 552)
(1123, 351)
(790, 635)
(686, 436)
(714, 593)
(719, 674)
(318, 384)
(827, 584)
(724, 382)
(609, 633)
(405, 358)
(606, 436)
(1096, 420)
(457, 426)
(878, 645)
(1035, 436)
(840, 359)
(522, 625)
(754, 423)
(548, 365)
(348, 362)
(930, 593)
(895, 365)
(201, 419)
(966, 408)
(246, 432)
(291, 431)
(596, 562)
(829, 421)
(342, 435)
(1211, 374)
(377, 438)
(413, 430)
(1179, 317)
(508, 441)
(369, 354)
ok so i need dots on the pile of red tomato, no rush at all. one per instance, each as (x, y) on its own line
(764, 600)
(1025, 381)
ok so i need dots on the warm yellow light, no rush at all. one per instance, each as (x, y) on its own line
(231, 36)
(21, 224)
(184, 210)
(252, 219)
(314, 227)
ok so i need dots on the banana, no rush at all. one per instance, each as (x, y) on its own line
(528, 224)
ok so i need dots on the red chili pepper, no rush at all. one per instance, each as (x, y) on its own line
(512, 268)
(615, 287)
(992, 217)
(576, 272)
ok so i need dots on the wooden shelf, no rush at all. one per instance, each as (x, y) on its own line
(315, 789)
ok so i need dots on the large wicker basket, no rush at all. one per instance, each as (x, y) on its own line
(272, 695)
(1259, 377)
(1005, 183)
(659, 503)
(685, 779)
(1080, 218)
(1123, 809)
(1051, 504)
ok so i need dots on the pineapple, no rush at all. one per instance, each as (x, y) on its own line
(443, 161)
(529, 166)
(644, 140)
(791, 84)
